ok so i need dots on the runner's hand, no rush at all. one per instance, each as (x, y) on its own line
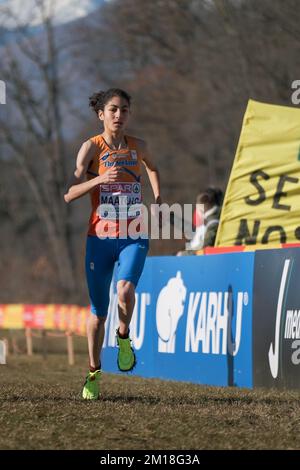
(111, 176)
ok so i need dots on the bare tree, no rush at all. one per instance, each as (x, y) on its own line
(190, 65)
(33, 130)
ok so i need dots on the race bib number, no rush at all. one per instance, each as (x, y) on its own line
(120, 201)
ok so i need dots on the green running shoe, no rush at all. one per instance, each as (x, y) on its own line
(126, 357)
(91, 386)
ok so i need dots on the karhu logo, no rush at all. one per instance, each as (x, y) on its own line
(169, 309)
(209, 322)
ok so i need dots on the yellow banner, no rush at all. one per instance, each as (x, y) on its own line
(262, 200)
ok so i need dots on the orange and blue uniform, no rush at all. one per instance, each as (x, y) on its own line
(114, 207)
(110, 202)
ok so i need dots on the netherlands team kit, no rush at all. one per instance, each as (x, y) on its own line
(114, 207)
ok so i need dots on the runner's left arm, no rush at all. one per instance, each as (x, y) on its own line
(152, 171)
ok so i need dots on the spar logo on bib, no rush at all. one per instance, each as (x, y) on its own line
(136, 188)
(119, 200)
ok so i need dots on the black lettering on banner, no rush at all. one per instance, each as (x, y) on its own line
(297, 233)
(262, 194)
(244, 237)
(279, 192)
(274, 228)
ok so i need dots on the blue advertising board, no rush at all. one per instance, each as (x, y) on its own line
(192, 320)
(276, 319)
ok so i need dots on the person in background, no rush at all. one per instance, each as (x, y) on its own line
(208, 203)
(197, 215)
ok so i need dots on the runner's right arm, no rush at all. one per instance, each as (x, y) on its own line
(77, 187)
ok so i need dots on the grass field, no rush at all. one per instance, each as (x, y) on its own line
(41, 408)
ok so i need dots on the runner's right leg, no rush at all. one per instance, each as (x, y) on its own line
(131, 260)
(100, 259)
(95, 337)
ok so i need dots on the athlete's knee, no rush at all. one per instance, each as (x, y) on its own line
(126, 292)
(101, 320)
(97, 319)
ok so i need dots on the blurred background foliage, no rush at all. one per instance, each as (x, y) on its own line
(190, 66)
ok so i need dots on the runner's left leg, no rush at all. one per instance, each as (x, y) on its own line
(132, 256)
(126, 302)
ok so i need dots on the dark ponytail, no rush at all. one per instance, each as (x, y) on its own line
(98, 100)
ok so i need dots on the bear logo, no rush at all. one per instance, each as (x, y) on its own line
(169, 309)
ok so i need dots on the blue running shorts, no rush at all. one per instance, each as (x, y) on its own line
(101, 256)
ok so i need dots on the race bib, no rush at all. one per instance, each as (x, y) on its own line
(120, 201)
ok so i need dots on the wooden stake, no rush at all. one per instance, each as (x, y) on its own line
(6, 346)
(44, 344)
(3, 345)
(29, 341)
(70, 346)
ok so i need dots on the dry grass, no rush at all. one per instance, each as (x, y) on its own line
(41, 408)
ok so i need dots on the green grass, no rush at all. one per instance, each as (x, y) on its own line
(41, 408)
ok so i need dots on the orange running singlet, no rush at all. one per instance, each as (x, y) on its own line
(114, 202)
